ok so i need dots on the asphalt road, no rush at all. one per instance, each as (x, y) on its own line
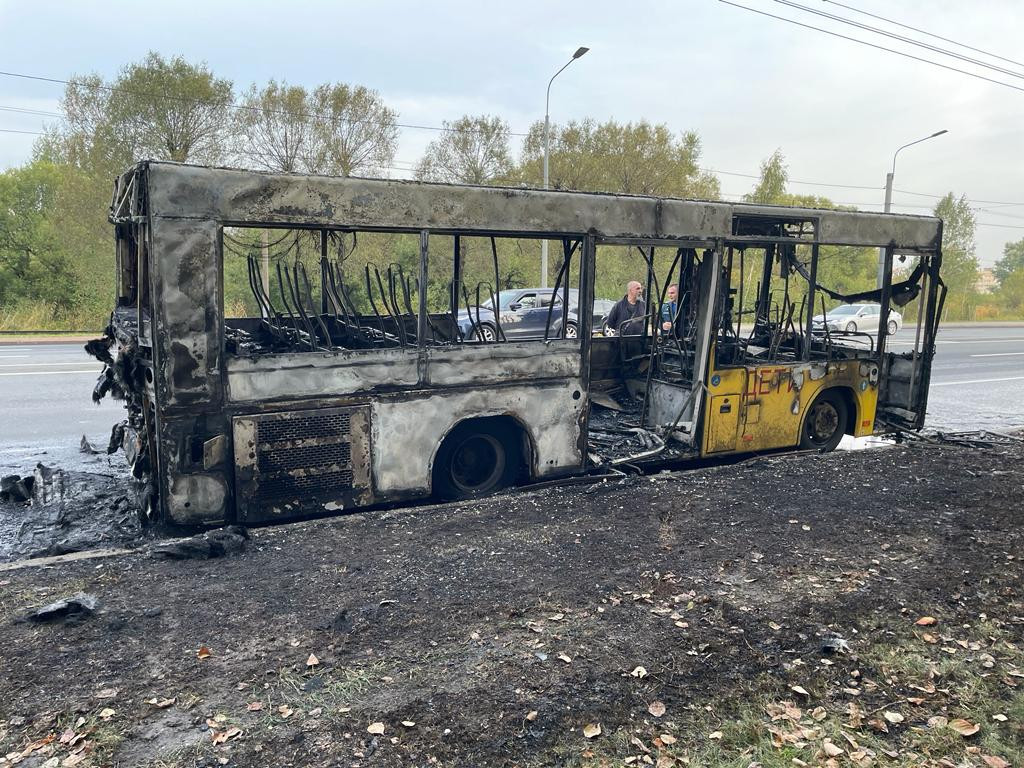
(45, 403)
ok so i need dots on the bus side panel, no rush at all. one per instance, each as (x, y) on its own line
(407, 430)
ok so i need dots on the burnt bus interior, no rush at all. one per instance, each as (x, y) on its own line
(231, 326)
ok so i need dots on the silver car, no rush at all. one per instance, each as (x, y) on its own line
(854, 318)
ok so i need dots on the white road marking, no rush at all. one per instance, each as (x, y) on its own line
(44, 365)
(12, 356)
(973, 381)
(48, 373)
(999, 354)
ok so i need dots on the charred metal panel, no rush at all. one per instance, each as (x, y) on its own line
(299, 462)
(186, 279)
(863, 228)
(305, 374)
(249, 197)
(699, 219)
(499, 363)
(405, 440)
(668, 404)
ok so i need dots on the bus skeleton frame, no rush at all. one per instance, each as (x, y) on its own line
(215, 434)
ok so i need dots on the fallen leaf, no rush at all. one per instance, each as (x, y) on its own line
(832, 750)
(926, 621)
(531, 715)
(567, 659)
(557, 617)
(255, 706)
(592, 730)
(715, 735)
(409, 723)
(994, 761)
(667, 738)
(656, 708)
(375, 728)
(799, 689)
(107, 693)
(163, 703)
(638, 672)
(937, 721)
(72, 760)
(878, 725)
(964, 727)
(203, 652)
(893, 717)
(106, 713)
(819, 713)
(312, 661)
(285, 711)
(929, 638)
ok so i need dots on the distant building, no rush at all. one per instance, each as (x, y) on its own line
(986, 281)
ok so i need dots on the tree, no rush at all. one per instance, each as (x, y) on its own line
(354, 131)
(273, 127)
(632, 158)
(959, 264)
(33, 267)
(1012, 261)
(771, 187)
(157, 108)
(472, 150)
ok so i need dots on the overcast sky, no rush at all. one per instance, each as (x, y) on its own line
(748, 84)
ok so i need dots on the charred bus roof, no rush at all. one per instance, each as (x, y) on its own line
(158, 189)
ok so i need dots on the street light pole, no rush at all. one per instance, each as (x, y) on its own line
(547, 127)
(888, 197)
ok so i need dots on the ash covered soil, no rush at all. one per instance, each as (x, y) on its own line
(845, 609)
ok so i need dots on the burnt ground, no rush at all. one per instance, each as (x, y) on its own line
(861, 608)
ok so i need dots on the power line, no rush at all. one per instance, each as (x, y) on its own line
(24, 111)
(410, 165)
(901, 38)
(923, 32)
(871, 45)
(245, 107)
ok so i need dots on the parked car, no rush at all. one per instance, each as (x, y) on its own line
(853, 318)
(523, 314)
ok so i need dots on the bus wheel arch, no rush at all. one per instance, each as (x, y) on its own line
(481, 455)
(832, 414)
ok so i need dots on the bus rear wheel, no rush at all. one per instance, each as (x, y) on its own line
(474, 460)
(825, 422)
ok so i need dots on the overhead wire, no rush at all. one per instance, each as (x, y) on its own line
(901, 38)
(923, 32)
(871, 45)
(246, 107)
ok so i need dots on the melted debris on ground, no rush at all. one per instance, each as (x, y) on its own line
(848, 609)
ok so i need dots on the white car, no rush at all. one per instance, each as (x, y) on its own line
(858, 318)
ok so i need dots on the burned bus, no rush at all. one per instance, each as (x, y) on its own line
(289, 345)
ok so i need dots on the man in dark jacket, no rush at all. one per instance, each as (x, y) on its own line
(627, 316)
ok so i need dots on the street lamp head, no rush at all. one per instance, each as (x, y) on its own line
(938, 133)
(579, 52)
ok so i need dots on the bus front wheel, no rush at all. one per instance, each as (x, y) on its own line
(474, 460)
(825, 422)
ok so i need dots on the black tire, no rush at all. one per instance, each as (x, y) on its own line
(474, 460)
(892, 327)
(571, 331)
(485, 332)
(851, 327)
(825, 422)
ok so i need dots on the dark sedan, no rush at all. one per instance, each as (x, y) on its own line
(523, 314)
